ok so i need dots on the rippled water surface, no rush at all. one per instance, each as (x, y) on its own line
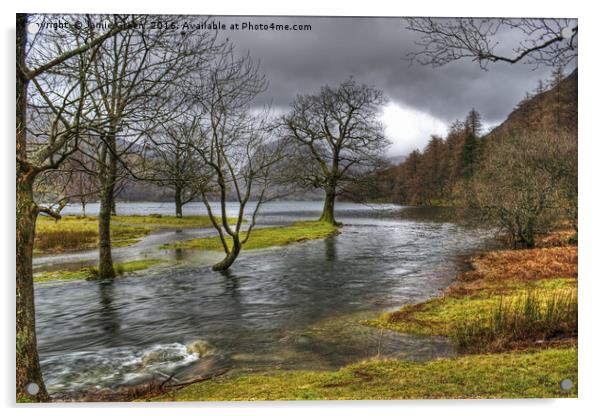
(294, 307)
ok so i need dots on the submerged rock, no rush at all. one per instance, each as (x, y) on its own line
(159, 356)
(200, 347)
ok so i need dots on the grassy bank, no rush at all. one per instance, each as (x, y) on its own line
(511, 298)
(80, 233)
(92, 272)
(266, 237)
(509, 375)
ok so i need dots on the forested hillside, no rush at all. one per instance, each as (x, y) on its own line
(439, 173)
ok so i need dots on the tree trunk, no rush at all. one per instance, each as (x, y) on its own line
(108, 177)
(113, 207)
(230, 257)
(28, 362)
(178, 200)
(105, 260)
(328, 210)
(525, 238)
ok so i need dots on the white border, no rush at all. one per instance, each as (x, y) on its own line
(590, 153)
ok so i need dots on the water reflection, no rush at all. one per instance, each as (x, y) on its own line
(231, 283)
(330, 249)
(107, 312)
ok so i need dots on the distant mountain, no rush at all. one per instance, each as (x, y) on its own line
(396, 160)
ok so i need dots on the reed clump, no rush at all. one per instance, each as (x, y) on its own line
(532, 317)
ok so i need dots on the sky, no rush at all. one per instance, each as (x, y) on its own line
(421, 100)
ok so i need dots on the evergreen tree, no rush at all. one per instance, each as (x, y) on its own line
(469, 156)
(558, 103)
(473, 123)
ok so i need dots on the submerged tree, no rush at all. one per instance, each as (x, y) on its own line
(135, 75)
(238, 152)
(338, 138)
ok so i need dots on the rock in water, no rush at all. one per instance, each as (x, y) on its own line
(158, 356)
(201, 347)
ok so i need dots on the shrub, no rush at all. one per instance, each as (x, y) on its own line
(527, 183)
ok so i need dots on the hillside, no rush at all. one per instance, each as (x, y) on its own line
(544, 110)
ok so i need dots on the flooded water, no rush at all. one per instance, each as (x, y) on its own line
(293, 307)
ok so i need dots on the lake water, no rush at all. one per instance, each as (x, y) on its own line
(293, 307)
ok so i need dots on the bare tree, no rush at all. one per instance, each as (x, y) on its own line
(137, 74)
(549, 42)
(73, 182)
(174, 164)
(527, 183)
(338, 136)
(236, 147)
(60, 101)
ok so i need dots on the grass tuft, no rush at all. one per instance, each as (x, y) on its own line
(534, 316)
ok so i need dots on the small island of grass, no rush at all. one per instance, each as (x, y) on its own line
(266, 237)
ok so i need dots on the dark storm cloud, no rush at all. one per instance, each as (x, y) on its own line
(373, 51)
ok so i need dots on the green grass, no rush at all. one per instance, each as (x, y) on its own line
(443, 315)
(534, 316)
(266, 237)
(507, 375)
(91, 272)
(79, 233)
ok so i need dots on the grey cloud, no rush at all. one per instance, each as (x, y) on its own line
(373, 51)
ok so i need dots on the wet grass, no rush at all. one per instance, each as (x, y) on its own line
(506, 375)
(538, 316)
(511, 299)
(442, 315)
(81, 233)
(266, 237)
(91, 273)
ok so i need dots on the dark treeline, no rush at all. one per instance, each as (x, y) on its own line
(431, 177)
